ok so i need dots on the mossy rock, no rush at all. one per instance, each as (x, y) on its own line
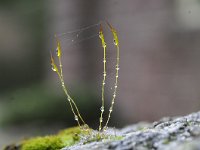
(65, 138)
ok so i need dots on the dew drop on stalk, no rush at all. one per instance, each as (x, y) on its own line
(100, 35)
(53, 68)
(102, 108)
(114, 41)
(76, 117)
(69, 99)
(57, 51)
(105, 128)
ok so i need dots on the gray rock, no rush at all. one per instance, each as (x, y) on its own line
(178, 133)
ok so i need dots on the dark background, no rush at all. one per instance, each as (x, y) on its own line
(159, 70)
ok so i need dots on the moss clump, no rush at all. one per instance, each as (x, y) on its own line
(64, 138)
(43, 143)
(70, 136)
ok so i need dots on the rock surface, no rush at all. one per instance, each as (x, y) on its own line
(177, 133)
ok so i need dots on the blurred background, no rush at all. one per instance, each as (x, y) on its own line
(159, 68)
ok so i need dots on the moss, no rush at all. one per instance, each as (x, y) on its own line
(117, 138)
(70, 136)
(166, 141)
(64, 138)
(95, 136)
(43, 143)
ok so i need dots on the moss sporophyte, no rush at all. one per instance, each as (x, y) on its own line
(83, 133)
(58, 69)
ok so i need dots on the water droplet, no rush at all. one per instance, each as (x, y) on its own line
(110, 110)
(114, 41)
(104, 61)
(114, 95)
(85, 127)
(102, 109)
(104, 74)
(76, 117)
(69, 99)
(100, 35)
(57, 51)
(104, 83)
(117, 68)
(112, 102)
(101, 119)
(115, 86)
(105, 128)
(53, 68)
